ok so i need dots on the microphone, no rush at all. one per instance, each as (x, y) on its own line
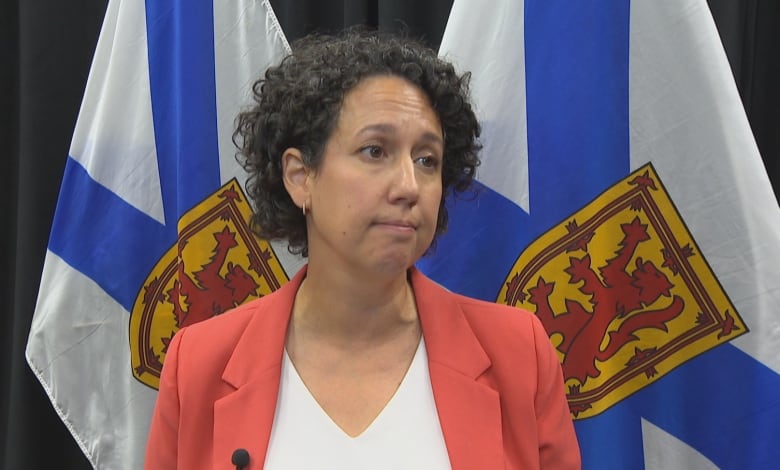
(240, 458)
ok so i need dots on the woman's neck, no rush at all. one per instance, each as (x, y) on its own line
(353, 308)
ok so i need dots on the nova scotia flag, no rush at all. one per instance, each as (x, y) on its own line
(152, 143)
(623, 200)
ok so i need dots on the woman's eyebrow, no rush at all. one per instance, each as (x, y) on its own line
(391, 129)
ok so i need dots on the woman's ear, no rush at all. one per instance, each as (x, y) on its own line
(295, 174)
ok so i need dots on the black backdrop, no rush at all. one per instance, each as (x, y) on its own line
(47, 48)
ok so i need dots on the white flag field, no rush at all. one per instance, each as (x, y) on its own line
(621, 198)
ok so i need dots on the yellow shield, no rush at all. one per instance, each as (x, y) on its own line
(624, 293)
(216, 264)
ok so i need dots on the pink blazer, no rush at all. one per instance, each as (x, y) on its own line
(496, 380)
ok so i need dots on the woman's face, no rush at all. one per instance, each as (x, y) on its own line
(375, 196)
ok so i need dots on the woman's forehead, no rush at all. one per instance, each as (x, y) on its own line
(382, 102)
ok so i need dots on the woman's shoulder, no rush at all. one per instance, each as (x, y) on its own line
(213, 340)
(499, 320)
(485, 307)
(491, 314)
(228, 323)
(514, 339)
(477, 311)
(501, 327)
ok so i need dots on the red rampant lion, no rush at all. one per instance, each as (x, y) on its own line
(209, 293)
(622, 292)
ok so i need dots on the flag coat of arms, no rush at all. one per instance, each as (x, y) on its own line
(621, 198)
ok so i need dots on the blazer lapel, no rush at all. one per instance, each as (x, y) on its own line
(243, 418)
(469, 409)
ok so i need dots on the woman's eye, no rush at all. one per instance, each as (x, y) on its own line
(427, 161)
(373, 151)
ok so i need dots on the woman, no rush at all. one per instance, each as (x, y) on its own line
(360, 361)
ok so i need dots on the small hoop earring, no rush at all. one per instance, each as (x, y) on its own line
(304, 208)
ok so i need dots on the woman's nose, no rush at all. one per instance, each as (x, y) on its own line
(405, 184)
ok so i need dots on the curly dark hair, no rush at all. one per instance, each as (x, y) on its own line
(297, 104)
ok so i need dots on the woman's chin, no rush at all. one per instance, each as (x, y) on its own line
(394, 264)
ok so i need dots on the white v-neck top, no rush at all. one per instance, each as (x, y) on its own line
(405, 435)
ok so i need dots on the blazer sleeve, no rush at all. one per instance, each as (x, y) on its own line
(558, 447)
(162, 444)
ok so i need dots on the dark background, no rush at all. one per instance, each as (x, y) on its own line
(47, 48)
